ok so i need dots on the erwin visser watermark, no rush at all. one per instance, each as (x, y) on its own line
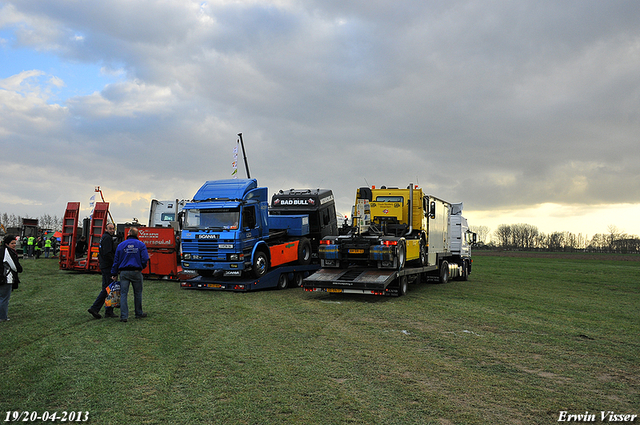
(602, 416)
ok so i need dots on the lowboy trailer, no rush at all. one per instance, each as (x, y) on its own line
(280, 278)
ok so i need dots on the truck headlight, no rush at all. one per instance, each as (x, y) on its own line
(233, 257)
(186, 256)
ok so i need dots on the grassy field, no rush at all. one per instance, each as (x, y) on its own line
(522, 340)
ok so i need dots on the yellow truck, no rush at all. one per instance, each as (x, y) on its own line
(397, 235)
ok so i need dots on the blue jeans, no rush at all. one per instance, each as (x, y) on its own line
(5, 294)
(135, 278)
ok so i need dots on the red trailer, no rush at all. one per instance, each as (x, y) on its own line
(88, 263)
(161, 242)
(164, 251)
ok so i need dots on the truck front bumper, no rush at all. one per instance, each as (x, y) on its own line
(214, 266)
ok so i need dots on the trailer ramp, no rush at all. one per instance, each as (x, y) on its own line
(352, 281)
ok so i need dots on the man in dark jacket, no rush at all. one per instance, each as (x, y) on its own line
(106, 254)
(131, 257)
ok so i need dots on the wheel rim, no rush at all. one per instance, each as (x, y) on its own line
(445, 272)
(306, 253)
(261, 264)
(401, 256)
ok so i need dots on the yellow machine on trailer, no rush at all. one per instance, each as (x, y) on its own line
(396, 235)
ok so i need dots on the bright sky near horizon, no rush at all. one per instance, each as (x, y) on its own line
(528, 112)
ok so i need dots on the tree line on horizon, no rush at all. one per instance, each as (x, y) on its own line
(527, 237)
(45, 221)
(507, 236)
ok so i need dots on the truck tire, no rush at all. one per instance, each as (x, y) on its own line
(403, 286)
(260, 264)
(297, 280)
(283, 281)
(401, 255)
(423, 254)
(444, 272)
(304, 251)
(465, 271)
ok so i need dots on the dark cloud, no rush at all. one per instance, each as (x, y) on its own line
(499, 105)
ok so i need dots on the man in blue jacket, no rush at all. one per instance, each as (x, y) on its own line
(131, 257)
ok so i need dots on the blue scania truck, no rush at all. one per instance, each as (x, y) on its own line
(233, 241)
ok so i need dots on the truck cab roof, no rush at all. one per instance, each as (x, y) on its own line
(305, 199)
(225, 190)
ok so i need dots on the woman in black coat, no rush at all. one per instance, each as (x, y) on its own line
(11, 268)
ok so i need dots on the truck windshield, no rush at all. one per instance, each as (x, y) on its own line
(220, 219)
(168, 217)
(390, 199)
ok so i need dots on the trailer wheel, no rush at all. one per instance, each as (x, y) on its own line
(304, 251)
(297, 279)
(444, 272)
(283, 281)
(403, 286)
(260, 264)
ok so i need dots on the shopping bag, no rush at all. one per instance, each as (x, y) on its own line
(113, 295)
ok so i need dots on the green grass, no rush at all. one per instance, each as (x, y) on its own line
(522, 340)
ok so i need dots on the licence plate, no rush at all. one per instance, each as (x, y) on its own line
(214, 285)
(356, 251)
(333, 290)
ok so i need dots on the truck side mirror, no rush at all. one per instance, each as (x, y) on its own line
(432, 210)
(364, 193)
(180, 219)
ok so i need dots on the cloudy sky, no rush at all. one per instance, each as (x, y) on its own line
(526, 111)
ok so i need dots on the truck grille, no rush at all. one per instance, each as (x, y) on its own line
(205, 249)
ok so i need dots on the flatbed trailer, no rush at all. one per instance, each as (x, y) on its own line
(279, 277)
(398, 236)
(365, 280)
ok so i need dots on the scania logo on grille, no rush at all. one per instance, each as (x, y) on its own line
(207, 236)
